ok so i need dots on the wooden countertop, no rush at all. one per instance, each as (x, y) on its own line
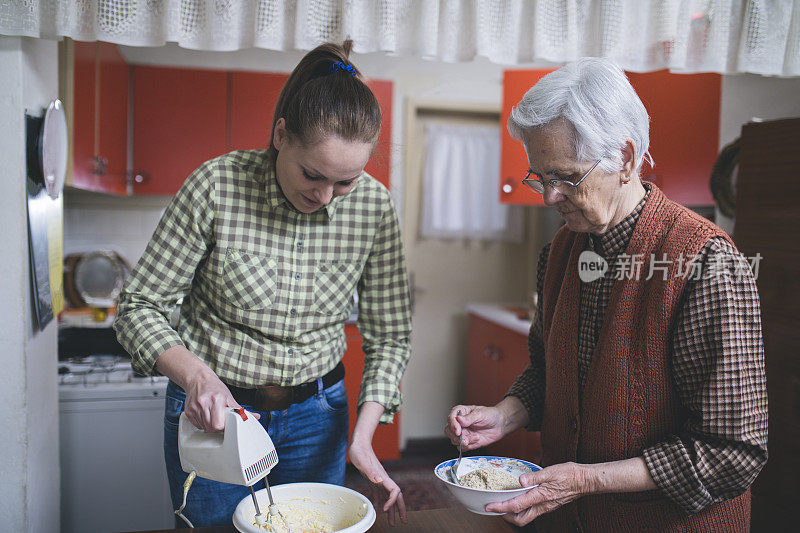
(452, 520)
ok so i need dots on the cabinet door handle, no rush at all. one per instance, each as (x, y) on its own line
(492, 352)
(99, 165)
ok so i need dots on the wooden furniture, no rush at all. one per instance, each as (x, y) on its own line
(767, 219)
(386, 441)
(453, 520)
(684, 134)
(496, 356)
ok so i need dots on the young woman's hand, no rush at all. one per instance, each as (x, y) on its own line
(206, 396)
(363, 457)
(207, 399)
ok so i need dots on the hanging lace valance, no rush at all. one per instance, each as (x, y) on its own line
(725, 36)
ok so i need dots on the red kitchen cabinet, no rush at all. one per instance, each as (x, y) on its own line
(181, 118)
(253, 99)
(513, 161)
(495, 357)
(684, 131)
(180, 121)
(100, 117)
(684, 134)
(386, 441)
(380, 164)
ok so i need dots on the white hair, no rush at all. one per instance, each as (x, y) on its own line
(596, 99)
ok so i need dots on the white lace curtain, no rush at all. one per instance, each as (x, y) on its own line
(460, 197)
(725, 36)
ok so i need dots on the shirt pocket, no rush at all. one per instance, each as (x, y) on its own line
(249, 281)
(334, 287)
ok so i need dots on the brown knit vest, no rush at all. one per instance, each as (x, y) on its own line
(629, 400)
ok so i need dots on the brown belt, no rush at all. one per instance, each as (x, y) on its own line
(277, 398)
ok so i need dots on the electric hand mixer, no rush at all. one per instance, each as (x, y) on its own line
(242, 454)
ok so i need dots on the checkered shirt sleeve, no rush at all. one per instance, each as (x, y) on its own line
(718, 363)
(164, 273)
(384, 318)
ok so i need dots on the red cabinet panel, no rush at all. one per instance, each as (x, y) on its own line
(100, 116)
(380, 164)
(513, 161)
(253, 99)
(386, 441)
(684, 133)
(180, 121)
(496, 356)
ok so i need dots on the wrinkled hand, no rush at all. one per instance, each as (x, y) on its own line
(555, 486)
(206, 401)
(476, 426)
(363, 457)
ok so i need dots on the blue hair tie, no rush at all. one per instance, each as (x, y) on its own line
(339, 65)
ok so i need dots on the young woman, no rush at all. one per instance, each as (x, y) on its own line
(267, 248)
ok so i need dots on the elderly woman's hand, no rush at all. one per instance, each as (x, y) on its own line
(559, 484)
(555, 486)
(476, 426)
(480, 426)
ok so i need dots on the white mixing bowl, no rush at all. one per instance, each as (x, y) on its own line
(348, 510)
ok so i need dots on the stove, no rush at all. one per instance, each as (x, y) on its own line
(103, 372)
(111, 429)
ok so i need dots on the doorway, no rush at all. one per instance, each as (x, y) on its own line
(446, 275)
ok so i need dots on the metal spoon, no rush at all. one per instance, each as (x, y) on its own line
(454, 469)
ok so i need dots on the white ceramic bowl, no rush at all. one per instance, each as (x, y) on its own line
(348, 510)
(476, 500)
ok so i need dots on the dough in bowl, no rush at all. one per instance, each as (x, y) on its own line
(490, 479)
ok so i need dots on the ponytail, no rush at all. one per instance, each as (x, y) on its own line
(325, 95)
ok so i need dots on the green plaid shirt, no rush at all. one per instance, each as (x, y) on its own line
(266, 289)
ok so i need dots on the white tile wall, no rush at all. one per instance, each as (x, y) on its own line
(100, 221)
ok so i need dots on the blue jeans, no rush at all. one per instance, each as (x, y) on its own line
(310, 438)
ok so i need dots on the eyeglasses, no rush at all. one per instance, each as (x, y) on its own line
(567, 188)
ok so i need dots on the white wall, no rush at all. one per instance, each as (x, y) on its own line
(29, 467)
(95, 221)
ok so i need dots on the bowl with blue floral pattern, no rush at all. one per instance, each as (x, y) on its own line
(481, 472)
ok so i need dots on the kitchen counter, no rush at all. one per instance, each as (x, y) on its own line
(505, 315)
(452, 520)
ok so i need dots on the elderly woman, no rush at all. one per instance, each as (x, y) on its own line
(646, 382)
